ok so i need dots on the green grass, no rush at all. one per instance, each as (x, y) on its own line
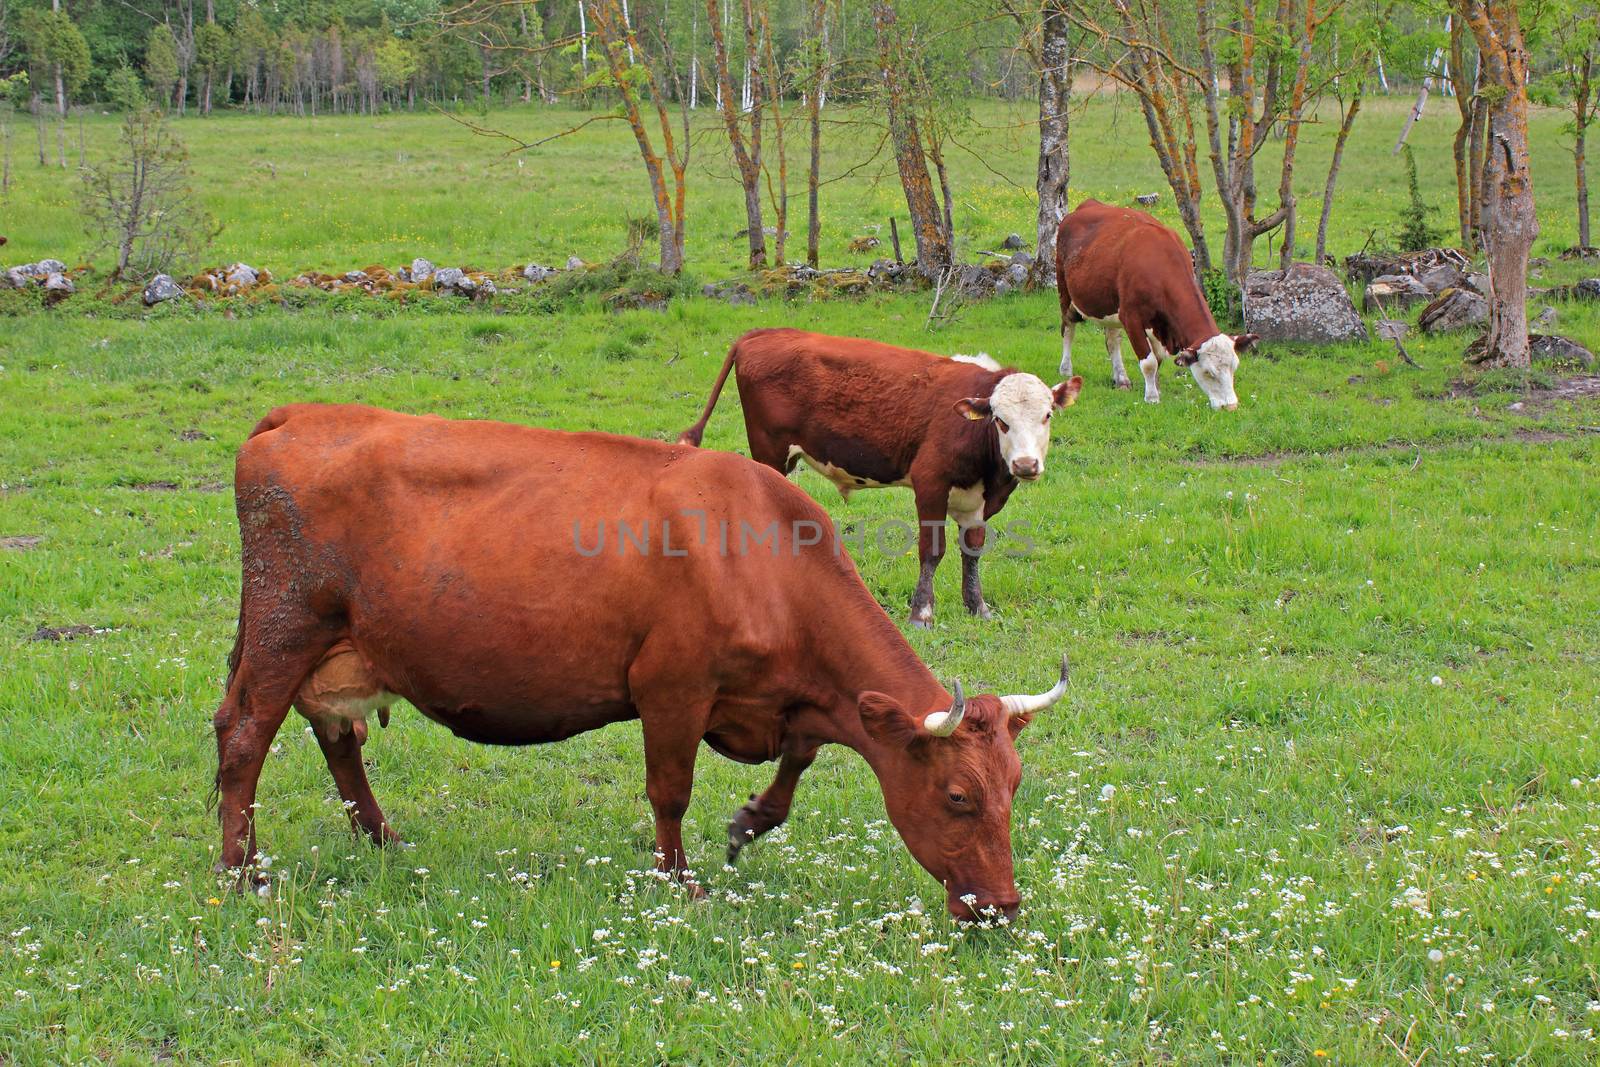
(1256, 605)
(347, 191)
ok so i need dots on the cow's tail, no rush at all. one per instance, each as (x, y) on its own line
(693, 434)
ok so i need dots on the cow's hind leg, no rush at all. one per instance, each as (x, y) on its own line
(771, 808)
(262, 686)
(673, 722)
(1119, 373)
(343, 753)
(1068, 328)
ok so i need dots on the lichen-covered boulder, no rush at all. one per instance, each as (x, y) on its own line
(1454, 309)
(421, 270)
(1305, 303)
(533, 272)
(574, 263)
(161, 288)
(57, 282)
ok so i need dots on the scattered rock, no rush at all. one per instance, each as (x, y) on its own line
(1391, 329)
(58, 286)
(1304, 303)
(863, 244)
(1002, 287)
(16, 279)
(195, 435)
(1436, 279)
(1553, 348)
(241, 276)
(1148, 198)
(574, 263)
(355, 277)
(1588, 289)
(421, 270)
(1581, 252)
(974, 280)
(886, 270)
(66, 633)
(734, 292)
(1364, 267)
(1453, 309)
(535, 273)
(161, 288)
(1476, 282)
(1017, 272)
(21, 542)
(1544, 320)
(1013, 243)
(449, 278)
(1391, 291)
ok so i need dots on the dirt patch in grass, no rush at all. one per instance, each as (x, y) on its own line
(67, 633)
(21, 543)
(160, 486)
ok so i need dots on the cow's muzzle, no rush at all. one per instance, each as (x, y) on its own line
(1026, 469)
(974, 908)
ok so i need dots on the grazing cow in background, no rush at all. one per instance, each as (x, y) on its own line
(962, 433)
(1126, 271)
(467, 567)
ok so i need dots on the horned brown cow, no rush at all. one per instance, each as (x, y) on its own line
(961, 433)
(466, 567)
(1126, 271)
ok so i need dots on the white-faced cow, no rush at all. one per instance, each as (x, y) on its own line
(521, 586)
(1123, 269)
(961, 433)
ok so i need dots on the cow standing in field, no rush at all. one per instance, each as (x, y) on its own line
(961, 433)
(1123, 269)
(521, 586)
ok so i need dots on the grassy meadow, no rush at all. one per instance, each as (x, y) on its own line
(1325, 789)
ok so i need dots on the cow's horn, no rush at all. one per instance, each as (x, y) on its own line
(1023, 704)
(944, 723)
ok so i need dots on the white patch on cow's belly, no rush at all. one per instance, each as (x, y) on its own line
(842, 479)
(966, 504)
(1108, 320)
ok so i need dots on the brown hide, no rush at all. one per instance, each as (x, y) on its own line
(1115, 261)
(880, 415)
(454, 564)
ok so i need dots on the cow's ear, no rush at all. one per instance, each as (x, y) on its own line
(1015, 723)
(1245, 341)
(1066, 393)
(887, 720)
(974, 407)
(1184, 358)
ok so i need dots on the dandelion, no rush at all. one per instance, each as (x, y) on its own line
(1435, 956)
(1320, 1053)
(1437, 680)
(555, 965)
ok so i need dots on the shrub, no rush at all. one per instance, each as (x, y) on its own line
(1415, 233)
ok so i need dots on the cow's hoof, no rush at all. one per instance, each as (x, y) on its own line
(1148, 399)
(245, 880)
(385, 837)
(740, 833)
(1123, 385)
(921, 623)
(696, 891)
(981, 611)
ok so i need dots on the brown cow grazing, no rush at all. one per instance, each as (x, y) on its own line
(1123, 269)
(962, 432)
(522, 586)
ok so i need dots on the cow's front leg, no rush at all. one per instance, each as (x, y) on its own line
(771, 808)
(669, 751)
(1149, 357)
(973, 535)
(1150, 367)
(1119, 373)
(932, 507)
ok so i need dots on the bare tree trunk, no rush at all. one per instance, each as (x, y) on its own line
(1582, 116)
(933, 250)
(1422, 98)
(1055, 158)
(819, 15)
(36, 105)
(774, 97)
(1333, 175)
(746, 153)
(1510, 224)
(1466, 103)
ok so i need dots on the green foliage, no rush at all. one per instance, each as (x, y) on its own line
(161, 62)
(124, 90)
(1224, 299)
(51, 39)
(1415, 231)
(213, 48)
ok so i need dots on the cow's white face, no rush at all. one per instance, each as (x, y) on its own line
(1213, 364)
(1021, 406)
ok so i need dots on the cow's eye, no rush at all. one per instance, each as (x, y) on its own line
(1047, 416)
(998, 421)
(958, 798)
